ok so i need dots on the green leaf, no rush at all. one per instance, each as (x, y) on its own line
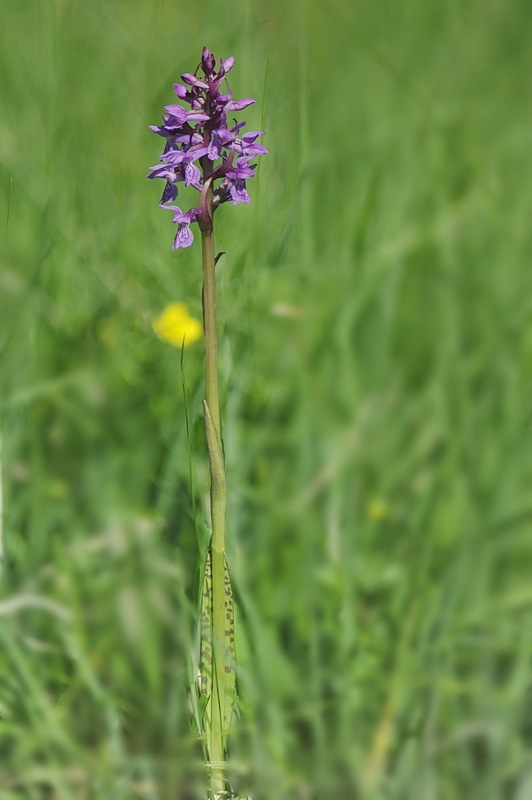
(205, 665)
(230, 658)
(206, 636)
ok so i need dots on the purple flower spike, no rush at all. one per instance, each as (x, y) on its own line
(201, 150)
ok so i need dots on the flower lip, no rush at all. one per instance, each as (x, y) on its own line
(184, 236)
(237, 191)
(192, 175)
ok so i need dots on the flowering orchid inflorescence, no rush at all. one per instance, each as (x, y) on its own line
(202, 135)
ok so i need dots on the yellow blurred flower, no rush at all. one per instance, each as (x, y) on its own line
(57, 490)
(377, 510)
(175, 325)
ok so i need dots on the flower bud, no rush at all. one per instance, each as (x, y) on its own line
(207, 61)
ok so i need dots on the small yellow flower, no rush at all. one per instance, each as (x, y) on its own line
(377, 510)
(175, 325)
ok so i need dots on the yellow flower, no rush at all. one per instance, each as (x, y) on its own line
(377, 510)
(175, 325)
(57, 490)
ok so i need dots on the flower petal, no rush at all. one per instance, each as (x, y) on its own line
(228, 63)
(180, 90)
(187, 77)
(170, 193)
(238, 191)
(192, 175)
(238, 105)
(184, 236)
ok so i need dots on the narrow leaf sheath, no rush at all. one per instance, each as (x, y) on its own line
(206, 654)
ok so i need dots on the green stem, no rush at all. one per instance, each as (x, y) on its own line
(209, 324)
(218, 503)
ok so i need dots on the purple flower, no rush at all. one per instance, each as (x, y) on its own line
(184, 236)
(247, 145)
(219, 139)
(237, 190)
(163, 171)
(172, 177)
(238, 105)
(241, 170)
(208, 61)
(169, 193)
(193, 81)
(201, 150)
(180, 115)
(227, 64)
(192, 175)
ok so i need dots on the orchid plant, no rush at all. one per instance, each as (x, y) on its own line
(200, 135)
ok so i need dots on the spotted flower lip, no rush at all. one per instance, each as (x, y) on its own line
(201, 149)
(237, 191)
(184, 236)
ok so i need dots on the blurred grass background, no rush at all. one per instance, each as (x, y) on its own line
(376, 321)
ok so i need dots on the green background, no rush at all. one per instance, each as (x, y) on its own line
(376, 360)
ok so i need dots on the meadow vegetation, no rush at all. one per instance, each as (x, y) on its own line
(376, 351)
